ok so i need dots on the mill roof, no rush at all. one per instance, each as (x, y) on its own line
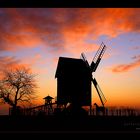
(69, 65)
(48, 97)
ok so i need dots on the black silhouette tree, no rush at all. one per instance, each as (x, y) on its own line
(17, 86)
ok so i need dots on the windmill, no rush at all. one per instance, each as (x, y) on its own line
(74, 78)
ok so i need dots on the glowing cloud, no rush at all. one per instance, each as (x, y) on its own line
(57, 28)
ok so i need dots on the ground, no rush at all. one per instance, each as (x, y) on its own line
(61, 124)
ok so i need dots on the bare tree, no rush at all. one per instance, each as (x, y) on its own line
(17, 86)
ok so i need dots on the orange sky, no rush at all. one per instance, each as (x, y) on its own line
(38, 37)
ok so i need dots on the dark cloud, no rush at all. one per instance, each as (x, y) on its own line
(136, 48)
(136, 57)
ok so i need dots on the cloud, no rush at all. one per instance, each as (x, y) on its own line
(136, 48)
(34, 59)
(106, 21)
(10, 62)
(61, 28)
(127, 67)
(137, 57)
(80, 47)
(6, 61)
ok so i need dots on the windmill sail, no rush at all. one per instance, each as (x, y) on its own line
(99, 91)
(84, 59)
(96, 60)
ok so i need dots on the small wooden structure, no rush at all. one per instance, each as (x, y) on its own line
(48, 100)
(48, 104)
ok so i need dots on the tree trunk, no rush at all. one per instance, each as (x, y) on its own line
(15, 104)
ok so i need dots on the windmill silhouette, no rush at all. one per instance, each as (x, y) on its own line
(74, 78)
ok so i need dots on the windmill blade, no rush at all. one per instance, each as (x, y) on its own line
(99, 91)
(98, 56)
(84, 59)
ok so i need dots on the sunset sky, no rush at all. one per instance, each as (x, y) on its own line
(37, 37)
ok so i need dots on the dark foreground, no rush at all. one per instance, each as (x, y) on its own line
(59, 124)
